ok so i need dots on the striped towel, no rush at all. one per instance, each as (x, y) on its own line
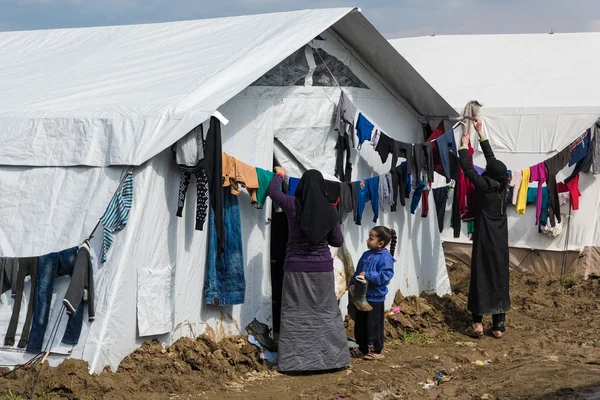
(117, 213)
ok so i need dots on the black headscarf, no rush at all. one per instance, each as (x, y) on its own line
(316, 216)
(496, 170)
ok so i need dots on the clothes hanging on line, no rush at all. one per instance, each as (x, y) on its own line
(517, 178)
(445, 145)
(424, 161)
(345, 117)
(80, 291)
(367, 190)
(596, 148)
(81, 287)
(425, 203)
(50, 266)
(572, 188)
(117, 214)
(236, 174)
(580, 147)
(538, 173)
(27, 267)
(466, 192)
(554, 165)
(264, 178)
(213, 166)
(343, 171)
(440, 197)
(347, 202)
(385, 191)
(416, 197)
(364, 129)
(522, 196)
(584, 160)
(189, 155)
(225, 283)
(9, 270)
(202, 191)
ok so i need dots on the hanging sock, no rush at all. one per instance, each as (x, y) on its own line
(117, 213)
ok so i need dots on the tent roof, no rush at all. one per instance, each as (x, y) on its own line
(121, 94)
(539, 91)
(525, 70)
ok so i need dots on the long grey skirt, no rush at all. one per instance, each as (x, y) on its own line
(312, 335)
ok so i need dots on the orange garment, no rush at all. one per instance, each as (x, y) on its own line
(236, 173)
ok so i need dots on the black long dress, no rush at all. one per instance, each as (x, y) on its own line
(489, 286)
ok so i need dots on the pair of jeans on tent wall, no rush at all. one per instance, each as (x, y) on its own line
(224, 284)
(51, 266)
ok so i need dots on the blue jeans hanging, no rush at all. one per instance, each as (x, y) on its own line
(224, 284)
(49, 267)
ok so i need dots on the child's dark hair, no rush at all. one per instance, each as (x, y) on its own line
(387, 236)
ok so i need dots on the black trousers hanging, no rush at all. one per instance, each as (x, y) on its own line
(343, 171)
(368, 328)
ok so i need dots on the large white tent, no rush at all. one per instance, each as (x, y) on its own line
(539, 94)
(80, 106)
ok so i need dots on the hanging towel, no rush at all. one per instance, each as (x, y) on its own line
(522, 197)
(117, 213)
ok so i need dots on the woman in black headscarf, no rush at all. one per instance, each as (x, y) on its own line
(489, 286)
(312, 335)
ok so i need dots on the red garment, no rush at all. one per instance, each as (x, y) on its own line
(573, 186)
(466, 191)
(425, 203)
(437, 163)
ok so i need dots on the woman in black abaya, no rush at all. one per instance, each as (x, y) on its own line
(489, 286)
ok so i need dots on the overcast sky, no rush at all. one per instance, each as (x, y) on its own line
(393, 18)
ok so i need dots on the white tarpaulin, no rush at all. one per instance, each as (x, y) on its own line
(124, 95)
(119, 95)
(539, 93)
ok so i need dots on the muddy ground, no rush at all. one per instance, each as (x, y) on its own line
(551, 351)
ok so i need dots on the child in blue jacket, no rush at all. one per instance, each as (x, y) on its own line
(377, 266)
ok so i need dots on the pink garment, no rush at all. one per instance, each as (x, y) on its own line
(538, 173)
(517, 177)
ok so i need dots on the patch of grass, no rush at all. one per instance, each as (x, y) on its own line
(11, 396)
(567, 282)
(416, 338)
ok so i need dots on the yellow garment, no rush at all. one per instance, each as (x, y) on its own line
(522, 198)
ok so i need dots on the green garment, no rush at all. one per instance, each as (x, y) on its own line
(264, 179)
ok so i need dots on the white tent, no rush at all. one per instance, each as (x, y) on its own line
(539, 93)
(79, 106)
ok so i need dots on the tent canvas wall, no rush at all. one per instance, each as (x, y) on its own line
(539, 93)
(82, 105)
